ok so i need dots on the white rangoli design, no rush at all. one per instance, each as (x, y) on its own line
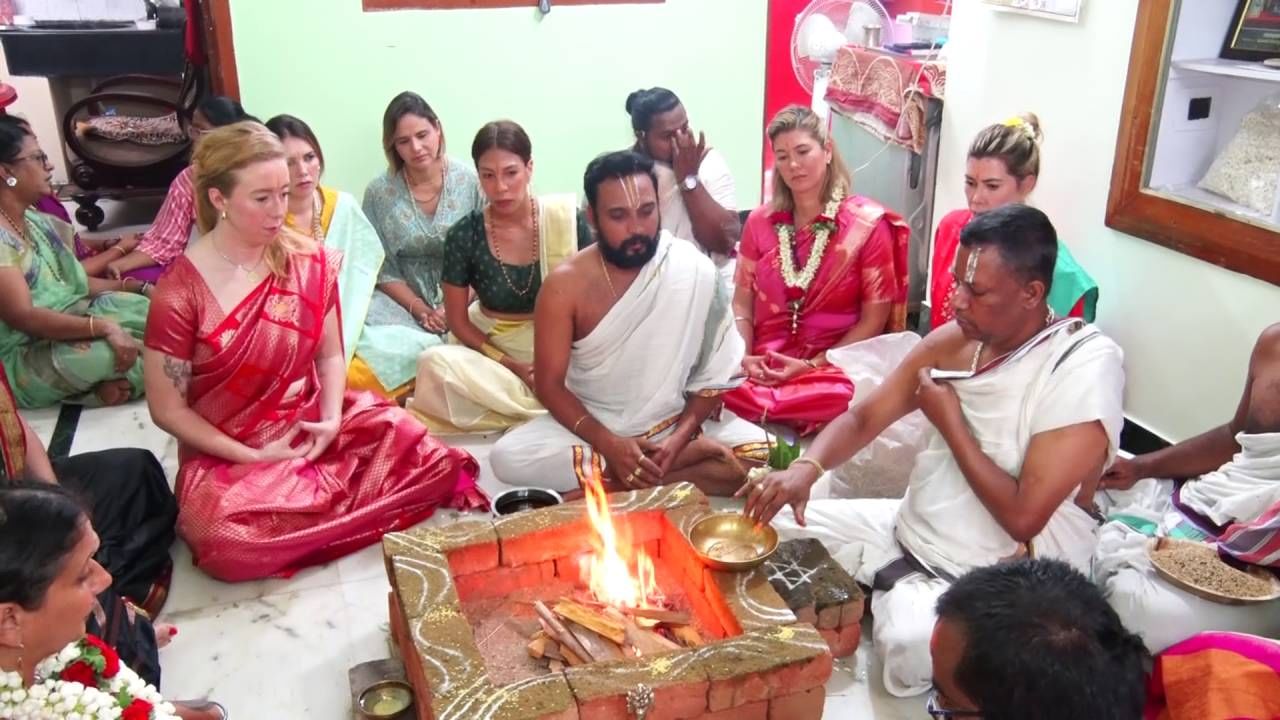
(791, 574)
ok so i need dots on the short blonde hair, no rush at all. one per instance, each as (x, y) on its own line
(219, 157)
(799, 117)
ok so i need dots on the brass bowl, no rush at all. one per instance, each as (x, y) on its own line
(732, 541)
(385, 699)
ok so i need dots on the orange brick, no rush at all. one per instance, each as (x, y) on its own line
(561, 540)
(853, 612)
(676, 550)
(503, 581)
(764, 663)
(470, 545)
(844, 640)
(750, 711)
(807, 705)
(678, 681)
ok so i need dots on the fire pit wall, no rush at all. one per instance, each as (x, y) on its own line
(762, 664)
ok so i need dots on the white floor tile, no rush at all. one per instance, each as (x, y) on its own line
(193, 590)
(283, 656)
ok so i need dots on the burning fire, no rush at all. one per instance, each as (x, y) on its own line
(618, 573)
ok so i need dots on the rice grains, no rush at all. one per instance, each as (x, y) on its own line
(1198, 564)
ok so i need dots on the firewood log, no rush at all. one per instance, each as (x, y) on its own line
(556, 629)
(592, 619)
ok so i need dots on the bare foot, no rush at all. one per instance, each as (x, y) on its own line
(113, 392)
(165, 633)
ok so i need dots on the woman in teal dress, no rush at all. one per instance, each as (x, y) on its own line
(64, 336)
(412, 206)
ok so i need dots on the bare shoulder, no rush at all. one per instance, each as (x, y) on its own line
(1268, 344)
(946, 347)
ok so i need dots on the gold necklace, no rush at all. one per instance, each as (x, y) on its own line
(605, 269)
(250, 272)
(497, 251)
(21, 231)
(434, 196)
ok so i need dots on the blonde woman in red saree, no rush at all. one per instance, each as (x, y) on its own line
(817, 269)
(281, 468)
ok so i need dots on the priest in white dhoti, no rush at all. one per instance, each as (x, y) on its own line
(1025, 415)
(635, 345)
(1226, 492)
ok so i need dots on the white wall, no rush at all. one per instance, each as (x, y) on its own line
(1186, 326)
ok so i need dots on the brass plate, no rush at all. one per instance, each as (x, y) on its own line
(732, 541)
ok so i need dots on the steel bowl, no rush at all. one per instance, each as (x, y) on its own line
(732, 541)
(526, 498)
(385, 700)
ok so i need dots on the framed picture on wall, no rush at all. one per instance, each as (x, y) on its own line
(1064, 10)
(1254, 33)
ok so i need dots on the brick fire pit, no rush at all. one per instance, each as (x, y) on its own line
(759, 663)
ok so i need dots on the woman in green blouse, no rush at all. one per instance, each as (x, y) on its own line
(483, 380)
(411, 206)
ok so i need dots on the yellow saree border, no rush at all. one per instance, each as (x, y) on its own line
(558, 230)
(329, 198)
(13, 436)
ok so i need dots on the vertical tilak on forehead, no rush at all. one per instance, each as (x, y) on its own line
(632, 192)
(971, 266)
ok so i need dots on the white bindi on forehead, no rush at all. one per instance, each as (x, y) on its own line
(631, 191)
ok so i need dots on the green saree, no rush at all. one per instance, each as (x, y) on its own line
(46, 372)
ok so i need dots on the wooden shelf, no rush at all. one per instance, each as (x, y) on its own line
(1230, 68)
(1191, 194)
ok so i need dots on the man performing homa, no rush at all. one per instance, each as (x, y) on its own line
(1026, 415)
(1225, 491)
(635, 344)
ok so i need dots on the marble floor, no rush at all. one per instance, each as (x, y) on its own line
(280, 649)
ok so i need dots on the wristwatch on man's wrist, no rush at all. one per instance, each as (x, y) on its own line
(690, 183)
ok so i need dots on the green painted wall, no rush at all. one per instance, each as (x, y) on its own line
(564, 77)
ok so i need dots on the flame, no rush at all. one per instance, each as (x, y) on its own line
(618, 573)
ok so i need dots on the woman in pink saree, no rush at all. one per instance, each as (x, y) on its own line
(817, 269)
(281, 468)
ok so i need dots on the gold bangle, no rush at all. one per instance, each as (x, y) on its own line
(492, 352)
(739, 318)
(582, 419)
(92, 333)
(123, 252)
(810, 461)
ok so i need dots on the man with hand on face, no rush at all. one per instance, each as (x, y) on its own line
(696, 195)
(1026, 413)
(635, 345)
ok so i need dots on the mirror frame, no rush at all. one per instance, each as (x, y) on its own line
(1205, 234)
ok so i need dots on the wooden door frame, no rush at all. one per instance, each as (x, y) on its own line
(219, 47)
(1132, 208)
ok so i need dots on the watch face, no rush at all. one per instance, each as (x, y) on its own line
(690, 182)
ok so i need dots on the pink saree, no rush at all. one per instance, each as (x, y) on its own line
(865, 262)
(381, 473)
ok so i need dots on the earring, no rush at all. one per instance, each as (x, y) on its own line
(11, 181)
(223, 216)
(1050, 317)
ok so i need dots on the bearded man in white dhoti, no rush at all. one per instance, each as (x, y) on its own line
(1025, 413)
(1225, 491)
(635, 344)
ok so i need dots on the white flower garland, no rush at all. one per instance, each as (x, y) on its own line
(786, 233)
(55, 699)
